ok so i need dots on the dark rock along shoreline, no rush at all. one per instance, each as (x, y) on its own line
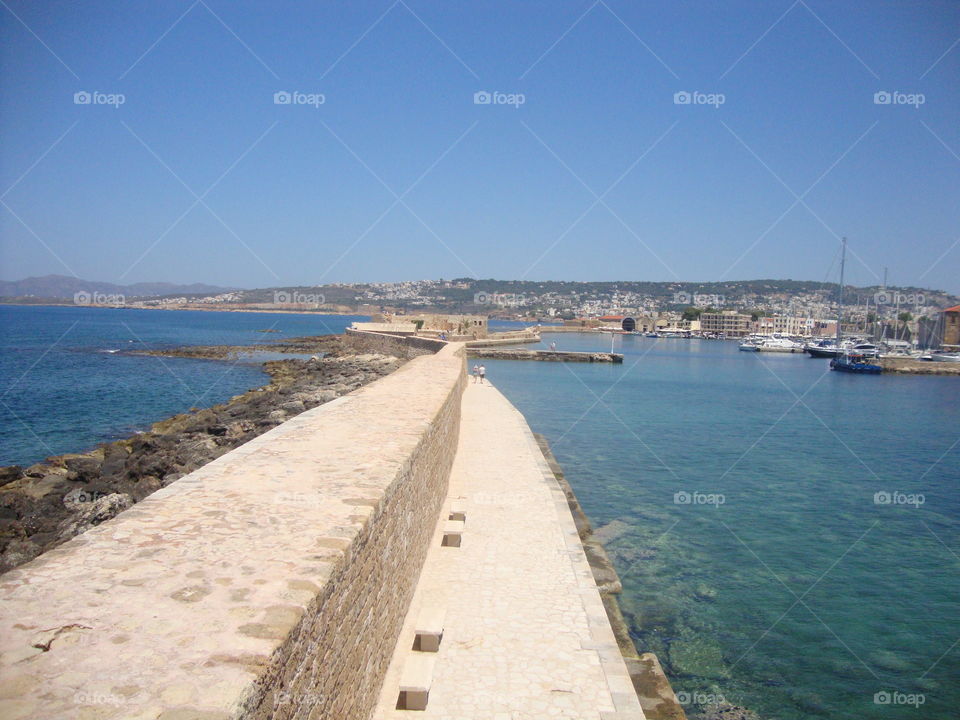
(50, 502)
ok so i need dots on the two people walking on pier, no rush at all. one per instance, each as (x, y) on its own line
(479, 373)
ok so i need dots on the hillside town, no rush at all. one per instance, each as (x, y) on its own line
(722, 309)
(731, 309)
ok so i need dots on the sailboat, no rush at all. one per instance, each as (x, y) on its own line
(850, 361)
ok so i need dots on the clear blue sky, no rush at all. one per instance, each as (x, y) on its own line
(297, 194)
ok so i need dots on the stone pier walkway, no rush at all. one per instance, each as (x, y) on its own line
(525, 635)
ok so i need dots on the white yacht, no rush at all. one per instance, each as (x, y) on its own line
(866, 349)
(780, 344)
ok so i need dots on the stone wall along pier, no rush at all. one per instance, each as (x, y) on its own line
(398, 345)
(271, 583)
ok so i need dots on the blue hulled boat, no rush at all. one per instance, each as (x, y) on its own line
(851, 361)
(855, 363)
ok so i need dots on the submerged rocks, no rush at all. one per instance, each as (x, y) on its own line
(726, 711)
(50, 502)
(698, 655)
(704, 593)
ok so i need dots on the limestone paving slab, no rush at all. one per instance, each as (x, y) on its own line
(525, 634)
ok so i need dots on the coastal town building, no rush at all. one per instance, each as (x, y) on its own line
(951, 326)
(728, 322)
(789, 325)
(582, 323)
(631, 323)
(941, 330)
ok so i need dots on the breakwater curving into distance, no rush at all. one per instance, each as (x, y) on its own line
(268, 584)
(274, 581)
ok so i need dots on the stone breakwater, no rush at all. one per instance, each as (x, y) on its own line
(910, 366)
(270, 583)
(402, 346)
(48, 503)
(544, 355)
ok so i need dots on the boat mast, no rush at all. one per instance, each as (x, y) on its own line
(896, 315)
(843, 261)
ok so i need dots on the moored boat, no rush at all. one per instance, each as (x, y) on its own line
(855, 363)
(866, 349)
(850, 361)
(780, 344)
(824, 350)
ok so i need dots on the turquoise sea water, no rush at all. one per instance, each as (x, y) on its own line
(66, 384)
(739, 495)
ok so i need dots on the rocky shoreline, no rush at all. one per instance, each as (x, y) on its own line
(50, 502)
(319, 345)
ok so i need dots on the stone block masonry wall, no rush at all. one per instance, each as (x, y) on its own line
(271, 583)
(400, 346)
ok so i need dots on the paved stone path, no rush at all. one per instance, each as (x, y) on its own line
(525, 633)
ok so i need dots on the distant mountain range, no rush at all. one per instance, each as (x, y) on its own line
(64, 287)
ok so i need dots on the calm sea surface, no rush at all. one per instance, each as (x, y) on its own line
(738, 493)
(64, 387)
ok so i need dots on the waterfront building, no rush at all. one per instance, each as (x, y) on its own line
(951, 326)
(940, 330)
(728, 322)
(585, 323)
(789, 325)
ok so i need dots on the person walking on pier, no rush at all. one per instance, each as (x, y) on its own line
(476, 373)
(483, 373)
